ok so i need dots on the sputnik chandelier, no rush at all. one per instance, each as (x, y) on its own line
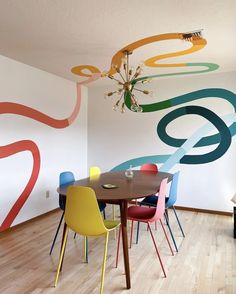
(125, 84)
(128, 78)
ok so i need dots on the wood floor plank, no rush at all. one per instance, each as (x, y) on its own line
(206, 262)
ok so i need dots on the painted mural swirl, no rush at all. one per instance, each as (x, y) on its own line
(28, 145)
(183, 145)
(200, 137)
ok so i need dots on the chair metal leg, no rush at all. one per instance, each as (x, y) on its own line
(104, 263)
(118, 247)
(61, 256)
(74, 235)
(104, 214)
(131, 233)
(178, 222)
(167, 214)
(172, 236)
(167, 239)
(137, 234)
(159, 257)
(58, 228)
(86, 249)
(138, 227)
(114, 217)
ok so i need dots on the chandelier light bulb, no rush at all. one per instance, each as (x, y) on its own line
(131, 71)
(139, 109)
(133, 108)
(123, 107)
(115, 107)
(146, 81)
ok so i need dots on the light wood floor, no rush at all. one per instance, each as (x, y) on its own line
(206, 262)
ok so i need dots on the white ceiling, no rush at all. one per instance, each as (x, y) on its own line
(56, 35)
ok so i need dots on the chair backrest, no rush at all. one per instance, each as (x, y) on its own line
(149, 167)
(173, 190)
(82, 212)
(66, 178)
(160, 208)
(94, 172)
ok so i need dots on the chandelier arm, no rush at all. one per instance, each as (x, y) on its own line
(127, 69)
(136, 74)
(138, 89)
(142, 80)
(134, 99)
(132, 78)
(113, 78)
(122, 77)
(121, 96)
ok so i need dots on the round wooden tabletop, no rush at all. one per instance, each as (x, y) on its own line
(143, 183)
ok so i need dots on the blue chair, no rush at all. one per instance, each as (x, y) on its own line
(170, 201)
(173, 197)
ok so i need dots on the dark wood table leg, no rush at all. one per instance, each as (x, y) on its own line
(234, 222)
(123, 216)
(63, 234)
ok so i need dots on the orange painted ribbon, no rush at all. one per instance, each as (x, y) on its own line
(197, 44)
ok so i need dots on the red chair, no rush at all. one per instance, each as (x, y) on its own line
(149, 167)
(149, 215)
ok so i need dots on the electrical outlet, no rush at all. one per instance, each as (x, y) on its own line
(47, 194)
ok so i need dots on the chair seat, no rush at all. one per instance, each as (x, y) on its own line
(111, 224)
(140, 213)
(151, 200)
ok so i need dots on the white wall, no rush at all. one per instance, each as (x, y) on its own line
(114, 138)
(60, 149)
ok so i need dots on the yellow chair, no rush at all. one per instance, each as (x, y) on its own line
(82, 215)
(94, 172)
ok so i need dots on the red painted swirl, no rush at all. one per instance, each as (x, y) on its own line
(8, 150)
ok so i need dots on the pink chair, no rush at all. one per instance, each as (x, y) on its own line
(149, 167)
(149, 215)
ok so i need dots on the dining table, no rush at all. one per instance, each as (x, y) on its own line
(116, 188)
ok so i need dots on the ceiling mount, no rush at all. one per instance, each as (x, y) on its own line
(189, 36)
